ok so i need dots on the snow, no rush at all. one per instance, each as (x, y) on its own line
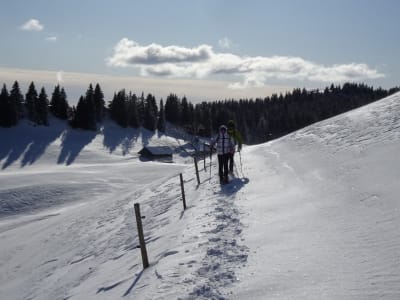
(313, 215)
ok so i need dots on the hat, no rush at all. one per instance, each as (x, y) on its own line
(222, 127)
(231, 124)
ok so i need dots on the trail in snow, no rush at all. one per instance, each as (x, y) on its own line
(225, 250)
(208, 247)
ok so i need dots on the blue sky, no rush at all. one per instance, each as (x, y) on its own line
(206, 50)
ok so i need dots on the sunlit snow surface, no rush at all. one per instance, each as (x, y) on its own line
(313, 215)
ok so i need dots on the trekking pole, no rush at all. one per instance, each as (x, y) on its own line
(210, 160)
(236, 169)
(241, 166)
(210, 147)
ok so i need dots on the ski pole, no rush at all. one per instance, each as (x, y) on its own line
(210, 160)
(236, 169)
(241, 166)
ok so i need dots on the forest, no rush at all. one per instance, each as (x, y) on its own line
(259, 120)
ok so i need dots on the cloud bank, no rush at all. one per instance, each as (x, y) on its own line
(32, 25)
(203, 61)
(76, 84)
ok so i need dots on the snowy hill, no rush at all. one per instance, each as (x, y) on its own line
(313, 215)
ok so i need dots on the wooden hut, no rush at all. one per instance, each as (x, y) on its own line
(160, 153)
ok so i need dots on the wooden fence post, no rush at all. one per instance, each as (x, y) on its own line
(197, 170)
(145, 260)
(183, 191)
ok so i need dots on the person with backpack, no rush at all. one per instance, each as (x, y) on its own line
(238, 140)
(225, 147)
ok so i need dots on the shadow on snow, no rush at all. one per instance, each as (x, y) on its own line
(234, 185)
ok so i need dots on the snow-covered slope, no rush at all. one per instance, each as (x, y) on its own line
(313, 215)
(323, 210)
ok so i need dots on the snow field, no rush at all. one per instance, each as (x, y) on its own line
(313, 215)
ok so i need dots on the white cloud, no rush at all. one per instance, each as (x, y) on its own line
(128, 52)
(32, 25)
(225, 43)
(202, 61)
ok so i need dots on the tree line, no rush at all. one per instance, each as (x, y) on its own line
(259, 120)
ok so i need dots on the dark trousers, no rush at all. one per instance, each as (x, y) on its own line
(230, 162)
(223, 166)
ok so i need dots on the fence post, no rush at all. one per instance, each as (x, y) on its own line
(183, 191)
(145, 260)
(197, 170)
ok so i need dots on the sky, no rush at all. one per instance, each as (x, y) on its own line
(206, 50)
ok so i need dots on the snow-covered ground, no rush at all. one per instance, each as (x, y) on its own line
(313, 215)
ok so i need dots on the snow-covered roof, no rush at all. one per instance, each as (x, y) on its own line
(157, 150)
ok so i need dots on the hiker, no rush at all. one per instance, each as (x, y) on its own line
(238, 140)
(225, 147)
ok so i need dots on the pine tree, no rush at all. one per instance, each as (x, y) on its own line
(17, 98)
(186, 119)
(79, 114)
(118, 109)
(91, 109)
(59, 104)
(30, 102)
(42, 108)
(84, 116)
(150, 113)
(4, 107)
(140, 109)
(55, 101)
(161, 118)
(64, 106)
(206, 119)
(99, 103)
(173, 109)
(133, 118)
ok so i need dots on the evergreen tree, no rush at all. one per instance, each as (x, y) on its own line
(4, 107)
(206, 120)
(150, 113)
(17, 98)
(42, 108)
(79, 112)
(133, 118)
(173, 109)
(141, 109)
(64, 106)
(91, 109)
(12, 108)
(59, 104)
(99, 103)
(161, 118)
(118, 109)
(185, 117)
(30, 102)
(83, 116)
(55, 101)
(152, 104)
